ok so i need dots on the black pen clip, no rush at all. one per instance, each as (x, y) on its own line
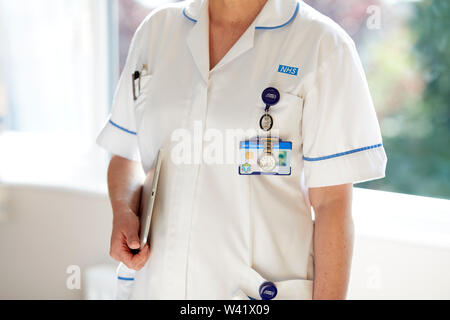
(136, 76)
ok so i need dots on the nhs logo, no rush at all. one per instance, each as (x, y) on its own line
(288, 70)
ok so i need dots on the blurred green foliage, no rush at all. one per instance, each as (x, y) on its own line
(418, 143)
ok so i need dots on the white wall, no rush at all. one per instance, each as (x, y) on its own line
(402, 246)
(390, 269)
(45, 231)
(397, 256)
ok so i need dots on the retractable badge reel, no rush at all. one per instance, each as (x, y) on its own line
(270, 97)
(267, 160)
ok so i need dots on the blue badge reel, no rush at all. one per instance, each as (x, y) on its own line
(265, 156)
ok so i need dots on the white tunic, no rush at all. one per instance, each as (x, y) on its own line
(216, 234)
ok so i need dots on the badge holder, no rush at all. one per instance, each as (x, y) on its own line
(266, 155)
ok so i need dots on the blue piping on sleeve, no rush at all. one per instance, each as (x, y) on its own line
(342, 153)
(121, 128)
(258, 28)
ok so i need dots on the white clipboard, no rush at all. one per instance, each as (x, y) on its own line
(148, 196)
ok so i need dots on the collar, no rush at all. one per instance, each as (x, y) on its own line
(274, 15)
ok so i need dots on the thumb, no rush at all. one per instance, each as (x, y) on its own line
(132, 239)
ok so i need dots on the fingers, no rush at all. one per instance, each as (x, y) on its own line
(131, 235)
(142, 257)
(133, 241)
(115, 250)
(124, 239)
(137, 261)
(125, 254)
(120, 249)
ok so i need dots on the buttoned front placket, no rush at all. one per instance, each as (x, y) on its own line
(179, 233)
(198, 43)
(184, 190)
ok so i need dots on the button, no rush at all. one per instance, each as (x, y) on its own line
(268, 290)
(270, 96)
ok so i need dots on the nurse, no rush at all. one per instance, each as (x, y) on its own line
(241, 228)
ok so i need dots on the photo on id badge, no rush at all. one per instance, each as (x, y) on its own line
(266, 154)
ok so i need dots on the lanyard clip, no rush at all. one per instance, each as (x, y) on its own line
(136, 77)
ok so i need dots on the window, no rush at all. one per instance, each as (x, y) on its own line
(59, 65)
(404, 47)
(54, 89)
(60, 62)
(131, 14)
(56, 64)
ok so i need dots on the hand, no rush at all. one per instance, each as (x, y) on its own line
(125, 237)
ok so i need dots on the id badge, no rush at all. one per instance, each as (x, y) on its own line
(265, 156)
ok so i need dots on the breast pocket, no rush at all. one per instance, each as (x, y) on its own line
(286, 114)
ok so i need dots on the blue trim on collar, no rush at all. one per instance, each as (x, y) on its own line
(342, 153)
(284, 24)
(122, 128)
(257, 28)
(189, 18)
(125, 278)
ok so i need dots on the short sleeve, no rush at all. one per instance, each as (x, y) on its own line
(119, 135)
(341, 136)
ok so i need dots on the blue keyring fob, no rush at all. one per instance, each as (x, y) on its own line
(268, 290)
(270, 96)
